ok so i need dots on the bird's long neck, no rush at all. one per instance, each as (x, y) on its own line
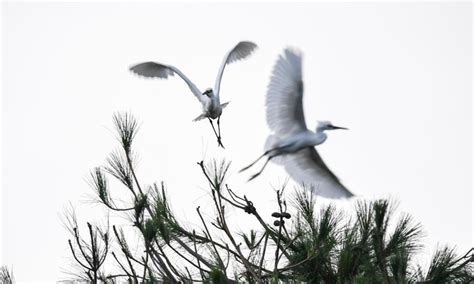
(215, 99)
(319, 136)
(320, 129)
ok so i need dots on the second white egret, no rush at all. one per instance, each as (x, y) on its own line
(292, 143)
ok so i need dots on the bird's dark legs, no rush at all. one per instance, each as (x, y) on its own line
(263, 155)
(219, 131)
(264, 165)
(277, 151)
(215, 133)
(214, 129)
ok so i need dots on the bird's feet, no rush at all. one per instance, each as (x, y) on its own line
(219, 143)
(254, 176)
(246, 168)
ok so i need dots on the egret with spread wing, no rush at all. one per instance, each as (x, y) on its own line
(210, 99)
(292, 143)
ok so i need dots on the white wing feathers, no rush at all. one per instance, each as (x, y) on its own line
(284, 101)
(285, 117)
(242, 50)
(307, 167)
(158, 70)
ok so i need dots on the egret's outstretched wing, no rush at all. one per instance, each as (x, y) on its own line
(242, 50)
(284, 100)
(307, 167)
(158, 70)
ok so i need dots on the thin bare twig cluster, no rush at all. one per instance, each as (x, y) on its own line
(6, 276)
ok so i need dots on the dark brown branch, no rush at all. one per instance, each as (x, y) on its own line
(187, 259)
(75, 257)
(163, 265)
(121, 265)
(78, 241)
(221, 263)
(198, 262)
(237, 248)
(263, 255)
(126, 253)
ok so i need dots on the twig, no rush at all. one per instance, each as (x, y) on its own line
(75, 257)
(221, 263)
(263, 254)
(198, 262)
(121, 266)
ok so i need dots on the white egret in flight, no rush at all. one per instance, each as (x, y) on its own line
(292, 142)
(210, 99)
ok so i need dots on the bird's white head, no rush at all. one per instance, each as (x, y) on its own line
(209, 92)
(327, 125)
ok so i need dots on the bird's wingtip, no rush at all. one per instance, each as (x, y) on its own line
(351, 195)
(248, 42)
(293, 50)
(346, 195)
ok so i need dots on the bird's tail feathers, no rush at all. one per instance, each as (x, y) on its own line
(200, 117)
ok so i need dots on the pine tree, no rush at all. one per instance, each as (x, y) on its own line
(314, 246)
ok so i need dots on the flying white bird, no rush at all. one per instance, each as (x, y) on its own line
(292, 142)
(210, 99)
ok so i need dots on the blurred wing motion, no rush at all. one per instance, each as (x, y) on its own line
(158, 70)
(242, 50)
(284, 100)
(285, 117)
(307, 167)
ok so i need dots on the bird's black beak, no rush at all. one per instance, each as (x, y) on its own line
(338, 127)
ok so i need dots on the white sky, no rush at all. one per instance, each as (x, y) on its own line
(398, 75)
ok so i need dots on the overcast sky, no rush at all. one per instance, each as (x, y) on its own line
(398, 75)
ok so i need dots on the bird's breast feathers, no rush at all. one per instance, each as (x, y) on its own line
(213, 110)
(301, 140)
